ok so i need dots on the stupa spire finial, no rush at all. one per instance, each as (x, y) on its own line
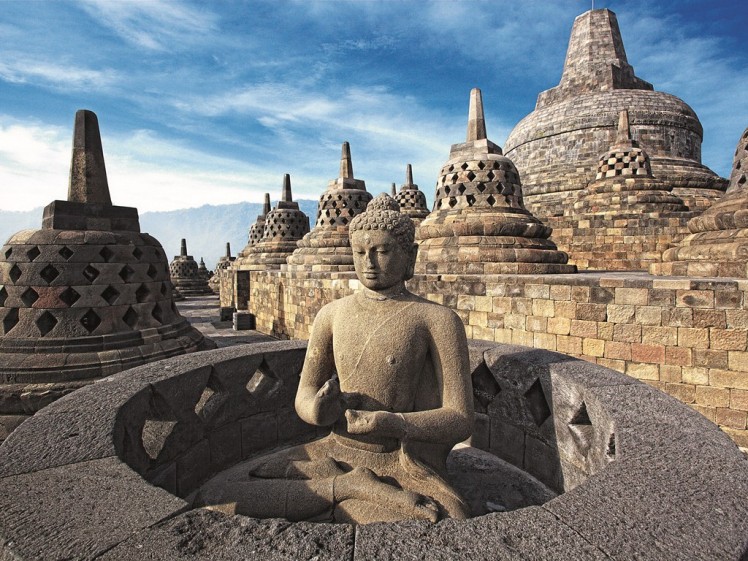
(228, 249)
(624, 129)
(393, 190)
(266, 205)
(346, 164)
(183, 250)
(286, 194)
(476, 121)
(88, 181)
(409, 175)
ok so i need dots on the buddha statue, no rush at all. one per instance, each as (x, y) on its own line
(388, 372)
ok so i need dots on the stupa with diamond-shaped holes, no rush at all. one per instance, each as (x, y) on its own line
(327, 247)
(479, 224)
(85, 296)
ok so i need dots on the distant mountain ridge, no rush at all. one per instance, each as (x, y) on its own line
(206, 228)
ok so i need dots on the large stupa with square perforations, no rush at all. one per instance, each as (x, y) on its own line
(285, 225)
(479, 224)
(556, 147)
(85, 296)
(327, 247)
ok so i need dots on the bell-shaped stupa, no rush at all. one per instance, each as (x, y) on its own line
(624, 183)
(479, 223)
(411, 199)
(85, 296)
(556, 147)
(327, 247)
(285, 225)
(718, 243)
(185, 274)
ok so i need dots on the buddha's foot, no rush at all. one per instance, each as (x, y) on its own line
(363, 484)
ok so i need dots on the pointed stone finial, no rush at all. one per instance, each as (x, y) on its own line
(183, 251)
(346, 164)
(476, 121)
(393, 190)
(266, 205)
(88, 182)
(286, 194)
(202, 263)
(624, 130)
(228, 249)
(409, 174)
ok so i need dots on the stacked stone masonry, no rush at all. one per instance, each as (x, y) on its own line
(687, 337)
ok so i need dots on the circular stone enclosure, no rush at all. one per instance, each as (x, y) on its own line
(103, 473)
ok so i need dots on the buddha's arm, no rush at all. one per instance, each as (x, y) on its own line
(453, 421)
(318, 399)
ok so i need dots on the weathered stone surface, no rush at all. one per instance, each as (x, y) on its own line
(68, 520)
(212, 535)
(479, 218)
(717, 245)
(556, 147)
(185, 274)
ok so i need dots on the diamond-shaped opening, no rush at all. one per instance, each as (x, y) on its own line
(490, 200)
(446, 190)
(481, 165)
(70, 296)
(611, 449)
(485, 388)
(33, 253)
(10, 320)
(130, 318)
(46, 323)
(65, 252)
(481, 187)
(470, 176)
(158, 313)
(490, 175)
(461, 188)
(452, 202)
(8, 253)
(90, 321)
(141, 294)
(126, 273)
(29, 297)
(464, 166)
(537, 404)
(49, 273)
(106, 254)
(91, 273)
(152, 272)
(3, 296)
(155, 434)
(137, 253)
(263, 384)
(15, 273)
(581, 417)
(110, 294)
(470, 200)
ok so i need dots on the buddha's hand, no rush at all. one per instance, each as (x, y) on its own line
(379, 423)
(329, 403)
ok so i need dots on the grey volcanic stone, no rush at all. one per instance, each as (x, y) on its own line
(74, 506)
(203, 534)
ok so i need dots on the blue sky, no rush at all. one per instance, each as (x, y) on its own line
(212, 102)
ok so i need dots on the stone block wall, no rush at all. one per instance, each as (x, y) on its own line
(687, 337)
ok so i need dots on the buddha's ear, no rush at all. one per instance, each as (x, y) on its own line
(410, 271)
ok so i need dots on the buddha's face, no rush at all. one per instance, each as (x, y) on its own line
(380, 261)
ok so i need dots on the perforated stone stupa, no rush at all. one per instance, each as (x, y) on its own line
(625, 218)
(718, 243)
(327, 247)
(285, 225)
(411, 199)
(479, 223)
(85, 296)
(556, 147)
(185, 274)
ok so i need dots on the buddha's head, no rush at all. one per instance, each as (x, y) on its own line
(383, 243)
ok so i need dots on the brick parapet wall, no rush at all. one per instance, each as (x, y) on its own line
(687, 337)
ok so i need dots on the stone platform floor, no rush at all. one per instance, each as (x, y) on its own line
(204, 315)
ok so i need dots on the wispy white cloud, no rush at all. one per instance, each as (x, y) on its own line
(153, 24)
(19, 69)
